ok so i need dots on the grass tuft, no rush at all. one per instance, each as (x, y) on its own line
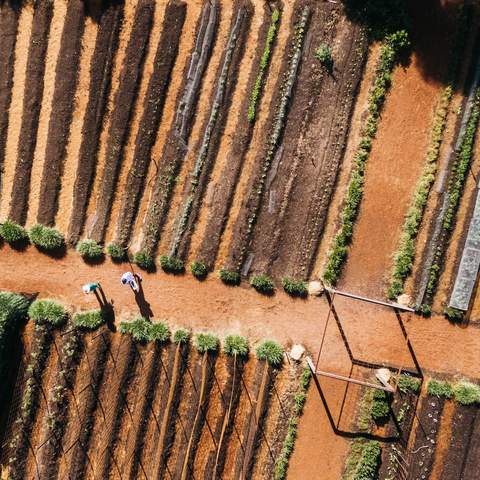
(144, 261)
(117, 252)
(46, 238)
(172, 264)
(263, 284)
(271, 352)
(295, 288)
(90, 249)
(466, 393)
(181, 335)
(13, 233)
(228, 277)
(206, 342)
(88, 320)
(47, 311)
(235, 345)
(440, 388)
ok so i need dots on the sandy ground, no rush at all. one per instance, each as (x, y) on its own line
(183, 301)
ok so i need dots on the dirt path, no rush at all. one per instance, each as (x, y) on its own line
(73, 148)
(397, 159)
(53, 50)
(201, 305)
(16, 109)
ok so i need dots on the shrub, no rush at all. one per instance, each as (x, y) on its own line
(159, 332)
(440, 389)
(324, 55)
(138, 328)
(181, 336)
(257, 87)
(454, 314)
(206, 342)
(235, 345)
(367, 467)
(117, 252)
(466, 393)
(13, 233)
(89, 249)
(144, 261)
(47, 311)
(228, 277)
(271, 352)
(172, 264)
(295, 288)
(380, 406)
(424, 309)
(262, 283)
(89, 320)
(46, 238)
(407, 383)
(198, 269)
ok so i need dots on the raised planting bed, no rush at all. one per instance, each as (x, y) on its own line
(429, 423)
(244, 225)
(167, 427)
(100, 77)
(97, 350)
(8, 35)
(121, 115)
(153, 104)
(210, 141)
(32, 103)
(55, 421)
(175, 148)
(324, 103)
(225, 189)
(472, 462)
(66, 74)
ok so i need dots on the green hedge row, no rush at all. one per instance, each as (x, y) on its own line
(281, 464)
(262, 70)
(393, 47)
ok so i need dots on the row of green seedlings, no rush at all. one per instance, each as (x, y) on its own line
(47, 316)
(281, 464)
(456, 183)
(405, 255)
(394, 46)
(363, 462)
(46, 239)
(463, 392)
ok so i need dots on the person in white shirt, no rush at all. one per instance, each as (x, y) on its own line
(128, 278)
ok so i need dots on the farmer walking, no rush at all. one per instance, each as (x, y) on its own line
(132, 279)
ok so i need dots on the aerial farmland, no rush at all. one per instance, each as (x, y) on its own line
(239, 239)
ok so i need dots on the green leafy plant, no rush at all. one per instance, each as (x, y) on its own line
(454, 314)
(466, 393)
(198, 270)
(393, 47)
(117, 252)
(172, 264)
(235, 345)
(144, 261)
(380, 406)
(90, 249)
(440, 388)
(295, 288)
(324, 55)
(47, 311)
(264, 62)
(367, 467)
(13, 233)
(159, 332)
(409, 384)
(138, 328)
(271, 352)
(206, 342)
(263, 284)
(88, 320)
(46, 238)
(228, 277)
(181, 336)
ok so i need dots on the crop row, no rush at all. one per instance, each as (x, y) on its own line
(245, 224)
(176, 146)
(393, 46)
(404, 257)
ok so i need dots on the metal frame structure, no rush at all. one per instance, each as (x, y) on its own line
(317, 372)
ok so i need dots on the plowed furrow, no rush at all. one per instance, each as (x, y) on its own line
(100, 79)
(153, 105)
(66, 74)
(121, 114)
(32, 102)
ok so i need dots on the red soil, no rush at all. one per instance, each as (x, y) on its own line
(398, 155)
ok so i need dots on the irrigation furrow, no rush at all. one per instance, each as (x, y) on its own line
(32, 102)
(100, 79)
(154, 102)
(8, 34)
(66, 75)
(121, 115)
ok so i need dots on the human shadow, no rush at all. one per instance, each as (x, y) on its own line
(106, 307)
(143, 304)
